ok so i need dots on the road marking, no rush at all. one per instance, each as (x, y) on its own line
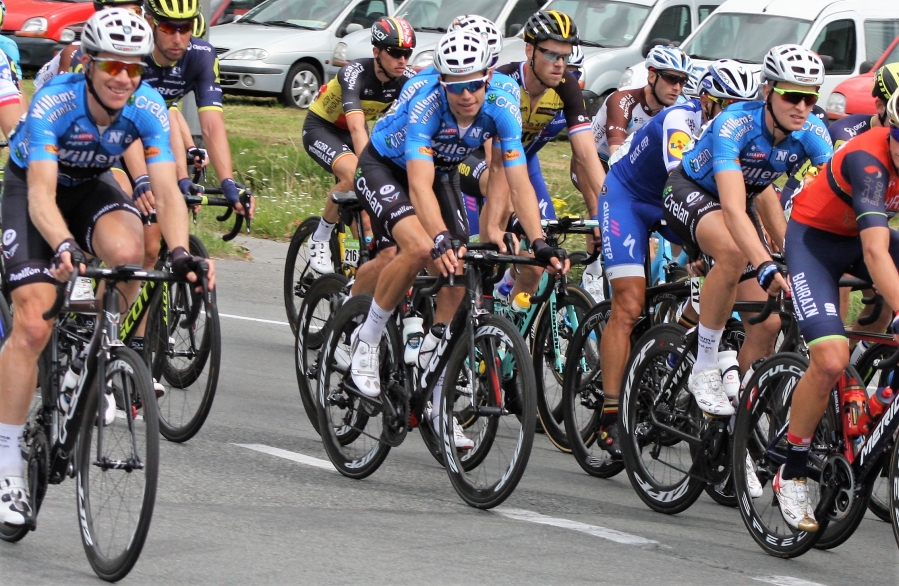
(292, 456)
(786, 581)
(265, 321)
(594, 530)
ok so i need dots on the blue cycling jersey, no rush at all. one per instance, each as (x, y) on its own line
(60, 128)
(419, 125)
(738, 140)
(500, 80)
(656, 149)
(11, 49)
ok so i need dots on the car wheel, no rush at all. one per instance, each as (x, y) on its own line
(301, 86)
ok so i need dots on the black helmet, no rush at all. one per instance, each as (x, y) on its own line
(886, 80)
(392, 32)
(550, 24)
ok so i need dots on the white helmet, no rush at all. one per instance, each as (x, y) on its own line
(577, 56)
(484, 27)
(691, 88)
(462, 52)
(793, 63)
(669, 59)
(729, 79)
(119, 31)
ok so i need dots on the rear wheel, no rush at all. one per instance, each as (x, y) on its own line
(873, 378)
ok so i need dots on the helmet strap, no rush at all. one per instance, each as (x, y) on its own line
(652, 89)
(113, 112)
(883, 118)
(383, 69)
(777, 124)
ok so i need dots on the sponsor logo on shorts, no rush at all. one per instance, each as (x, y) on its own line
(511, 155)
(387, 189)
(27, 272)
(9, 236)
(693, 197)
(400, 211)
(802, 298)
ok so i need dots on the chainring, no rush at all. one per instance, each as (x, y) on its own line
(395, 424)
(38, 466)
(839, 486)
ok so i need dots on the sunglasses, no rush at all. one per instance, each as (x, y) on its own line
(796, 96)
(723, 102)
(458, 87)
(894, 132)
(170, 28)
(554, 56)
(398, 53)
(113, 67)
(673, 78)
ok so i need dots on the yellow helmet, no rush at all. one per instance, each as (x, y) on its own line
(886, 80)
(199, 26)
(173, 9)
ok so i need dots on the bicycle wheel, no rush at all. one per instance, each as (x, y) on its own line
(498, 388)
(315, 313)
(759, 432)
(5, 320)
(894, 490)
(582, 395)
(880, 493)
(298, 276)
(117, 486)
(658, 463)
(351, 426)
(555, 330)
(186, 360)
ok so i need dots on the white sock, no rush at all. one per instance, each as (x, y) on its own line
(11, 462)
(707, 353)
(374, 324)
(594, 268)
(323, 231)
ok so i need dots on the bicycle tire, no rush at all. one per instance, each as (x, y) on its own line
(663, 483)
(188, 360)
(762, 413)
(582, 395)
(549, 369)
(894, 491)
(298, 277)
(880, 492)
(127, 375)
(5, 320)
(315, 312)
(352, 437)
(504, 379)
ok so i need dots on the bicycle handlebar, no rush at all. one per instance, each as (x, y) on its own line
(766, 311)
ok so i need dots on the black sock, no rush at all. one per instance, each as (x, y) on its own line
(609, 412)
(797, 457)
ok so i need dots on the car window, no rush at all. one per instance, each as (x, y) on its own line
(744, 37)
(838, 40)
(893, 57)
(673, 24)
(315, 14)
(705, 11)
(608, 24)
(439, 14)
(365, 13)
(878, 36)
(520, 13)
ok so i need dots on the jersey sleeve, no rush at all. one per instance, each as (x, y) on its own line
(423, 122)
(9, 91)
(508, 134)
(816, 141)
(207, 87)
(869, 180)
(42, 142)
(677, 130)
(152, 120)
(726, 132)
(618, 106)
(573, 104)
(350, 80)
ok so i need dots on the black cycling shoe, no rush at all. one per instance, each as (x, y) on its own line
(608, 441)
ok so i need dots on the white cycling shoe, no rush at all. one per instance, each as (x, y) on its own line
(14, 507)
(459, 438)
(709, 392)
(365, 366)
(752, 479)
(794, 504)
(320, 256)
(594, 286)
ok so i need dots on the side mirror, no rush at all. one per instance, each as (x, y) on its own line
(827, 60)
(353, 27)
(653, 43)
(514, 29)
(866, 66)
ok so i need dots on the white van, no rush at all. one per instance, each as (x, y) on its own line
(846, 33)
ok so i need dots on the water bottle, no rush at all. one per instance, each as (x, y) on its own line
(521, 303)
(69, 381)
(413, 332)
(502, 291)
(879, 402)
(855, 408)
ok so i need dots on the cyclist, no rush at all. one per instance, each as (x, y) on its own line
(546, 90)
(335, 132)
(407, 182)
(12, 103)
(730, 167)
(839, 224)
(11, 50)
(631, 203)
(627, 110)
(886, 80)
(59, 196)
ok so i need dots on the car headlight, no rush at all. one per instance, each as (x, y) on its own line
(249, 54)
(424, 59)
(35, 26)
(836, 103)
(67, 36)
(339, 52)
(627, 78)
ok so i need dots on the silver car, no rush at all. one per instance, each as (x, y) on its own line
(282, 47)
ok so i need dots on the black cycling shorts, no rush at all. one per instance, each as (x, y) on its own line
(25, 252)
(325, 142)
(383, 189)
(470, 171)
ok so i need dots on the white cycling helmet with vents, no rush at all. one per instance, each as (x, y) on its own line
(462, 52)
(794, 64)
(669, 59)
(729, 79)
(484, 27)
(118, 31)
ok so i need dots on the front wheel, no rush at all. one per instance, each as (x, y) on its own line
(118, 466)
(496, 389)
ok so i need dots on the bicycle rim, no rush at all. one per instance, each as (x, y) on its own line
(115, 505)
(298, 276)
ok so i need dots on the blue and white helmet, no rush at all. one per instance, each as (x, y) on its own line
(577, 56)
(669, 59)
(484, 27)
(729, 79)
(691, 88)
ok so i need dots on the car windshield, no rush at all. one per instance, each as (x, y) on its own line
(436, 15)
(603, 23)
(307, 14)
(744, 37)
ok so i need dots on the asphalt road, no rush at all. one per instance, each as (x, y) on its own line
(277, 513)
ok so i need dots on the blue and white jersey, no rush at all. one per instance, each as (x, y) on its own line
(647, 157)
(11, 50)
(9, 88)
(419, 125)
(60, 128)
(738, 140)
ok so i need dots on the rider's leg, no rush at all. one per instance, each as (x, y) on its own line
(529, 276)
(343, 168)
(367, 275)
(760, 338)
(118, 239)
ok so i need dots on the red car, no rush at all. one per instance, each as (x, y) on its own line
(853, 96)
(40, 27)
